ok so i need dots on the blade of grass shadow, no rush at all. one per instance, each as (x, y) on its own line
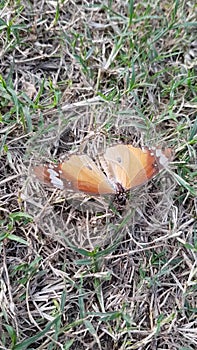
(26, 343)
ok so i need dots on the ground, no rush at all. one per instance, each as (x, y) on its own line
(79, 272)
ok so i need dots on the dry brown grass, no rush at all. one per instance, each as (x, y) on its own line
(76, 273)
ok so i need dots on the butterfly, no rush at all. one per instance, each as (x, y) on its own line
(124, 167)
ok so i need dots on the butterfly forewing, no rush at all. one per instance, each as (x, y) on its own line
(79, 173)
(130, 166)
(85, 176)
(148, 166)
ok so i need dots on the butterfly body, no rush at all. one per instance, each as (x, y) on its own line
(124, 167)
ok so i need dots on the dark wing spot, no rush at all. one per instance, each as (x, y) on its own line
(89, 167)
(119, 160)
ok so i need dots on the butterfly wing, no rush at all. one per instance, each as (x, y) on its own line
(124, 165)
(79, 173)
(131, 166)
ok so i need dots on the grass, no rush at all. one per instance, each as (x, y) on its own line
(76, 273)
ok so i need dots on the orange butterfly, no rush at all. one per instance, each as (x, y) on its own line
(124, 166)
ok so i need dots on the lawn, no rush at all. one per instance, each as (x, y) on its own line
(81, 272)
